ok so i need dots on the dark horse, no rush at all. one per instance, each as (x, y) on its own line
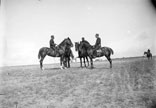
(67, 55)
(58, 53)
(148, 55)
(103, 51)
(82, 53)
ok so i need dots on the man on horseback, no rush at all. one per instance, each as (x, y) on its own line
(148, 54)
(97, 45)
(98, 42)
(83, 40)
(53, 45)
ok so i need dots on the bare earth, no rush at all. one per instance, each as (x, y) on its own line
(131, 83)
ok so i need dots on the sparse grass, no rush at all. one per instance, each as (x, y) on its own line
(131, 83)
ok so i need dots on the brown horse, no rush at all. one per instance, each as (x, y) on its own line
(82, 53)
(103, 51)
(55, 53)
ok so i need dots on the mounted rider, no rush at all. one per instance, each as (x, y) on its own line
(83, 40)
(98, 42)
(53, 45)
(148, 51)
(97, 45)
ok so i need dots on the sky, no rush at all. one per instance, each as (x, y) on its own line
(127, 26)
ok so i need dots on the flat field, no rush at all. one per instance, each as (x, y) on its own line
(131, 83)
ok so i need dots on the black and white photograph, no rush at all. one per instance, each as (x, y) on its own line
(78, 54)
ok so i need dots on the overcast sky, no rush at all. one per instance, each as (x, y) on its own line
(127, 26)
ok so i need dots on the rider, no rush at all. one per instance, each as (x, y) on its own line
(148, 51)
(97, 44)
(83, 40)
(52, 43)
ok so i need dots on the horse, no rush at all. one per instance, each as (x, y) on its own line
(82, 54)
(54, 53)
(148, 55)
(67, 55)
(103, 51)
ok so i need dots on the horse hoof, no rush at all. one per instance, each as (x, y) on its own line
(42, 69)
(62, 67)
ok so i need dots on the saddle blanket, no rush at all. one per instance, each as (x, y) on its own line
(99, 51)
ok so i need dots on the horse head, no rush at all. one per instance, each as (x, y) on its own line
(66, 42)
(69, 42)
(145, 52)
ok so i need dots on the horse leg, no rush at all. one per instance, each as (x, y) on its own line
(87, 60)
(61, 62)
(110, 60)
(80, 62)
(41, 62)
(91, 62)
(68, 62)
(84, 61)
(65, 62)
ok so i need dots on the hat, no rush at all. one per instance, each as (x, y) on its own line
(52, 36)
(97, 35)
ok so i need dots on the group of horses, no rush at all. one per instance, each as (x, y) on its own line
(84, 49)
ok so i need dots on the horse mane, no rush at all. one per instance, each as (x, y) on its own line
(84, 44)
(62, 42)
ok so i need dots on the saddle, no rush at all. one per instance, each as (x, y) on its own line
(56, 50)
(97, 53)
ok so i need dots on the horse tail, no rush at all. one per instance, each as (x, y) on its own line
(112, 52)
(39, 54)
(42, 52)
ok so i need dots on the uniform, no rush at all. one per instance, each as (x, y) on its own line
(98, 44)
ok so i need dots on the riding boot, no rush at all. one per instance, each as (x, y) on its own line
(94, 54)
(56, 52)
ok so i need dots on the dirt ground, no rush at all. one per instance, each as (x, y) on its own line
(131, 83)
